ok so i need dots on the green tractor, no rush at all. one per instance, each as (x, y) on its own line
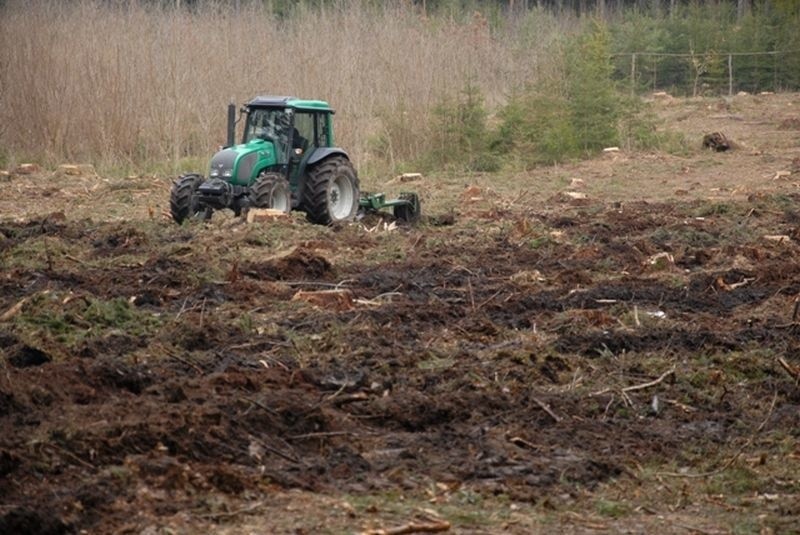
(286, 161)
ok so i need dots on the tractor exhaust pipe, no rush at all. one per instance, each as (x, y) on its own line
(231, 124)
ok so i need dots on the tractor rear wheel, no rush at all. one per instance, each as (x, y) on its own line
(331, 193)
(271, 190)
(410, 213)
(182, 198)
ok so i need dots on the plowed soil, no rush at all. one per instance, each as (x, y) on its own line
(527, 359)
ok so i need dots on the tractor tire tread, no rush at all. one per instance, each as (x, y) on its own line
(262, 189)
(315, 194)
(180, 199)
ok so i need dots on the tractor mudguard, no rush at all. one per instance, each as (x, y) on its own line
(321, 153)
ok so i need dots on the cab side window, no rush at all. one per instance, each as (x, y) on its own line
(322, 130)
(304, 128)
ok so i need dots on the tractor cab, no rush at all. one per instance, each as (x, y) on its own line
(276, 126)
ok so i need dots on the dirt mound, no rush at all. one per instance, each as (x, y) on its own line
(299, 264)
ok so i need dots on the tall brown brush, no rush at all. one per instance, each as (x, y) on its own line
(127, 83)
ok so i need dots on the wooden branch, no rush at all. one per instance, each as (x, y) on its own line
(14, 310)
(182, 360)
(350, 398)
(793, 372)
(522, 443)
(321, 434)
(412, 527)
(67, 453)
(651, 383)
(261, 405)
(546, 409)
(278, 452)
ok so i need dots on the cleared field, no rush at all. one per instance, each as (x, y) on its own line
(604, 346)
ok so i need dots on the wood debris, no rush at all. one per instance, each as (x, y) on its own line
(14, 310)
(411, 527)
(408, 177)
(779, 238)
(472, 194)
(338, 300)
(261, 215)
(27, 169)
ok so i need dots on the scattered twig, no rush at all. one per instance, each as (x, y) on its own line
(608, 407)
(351, 398)
(182, 360)
(378, 299)
(684, 407)
(632, 388)
(74, 259)
(471, 294)
(457, 267)
(261, 405)
(279, 453)
(69, 454)
(14, 310)
(626, 398)
(487, 301)
(183, 307)
(793, 372)
(736, 455)
(335, 394)
(202, 312)
(651, 383)
(321, 434)
(229, 514)
(316, 283)
(411, 527)
(250, 345)
(546, 409)
(522, 443)
(694, 529)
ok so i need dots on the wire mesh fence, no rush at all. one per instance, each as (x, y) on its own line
(709, 73)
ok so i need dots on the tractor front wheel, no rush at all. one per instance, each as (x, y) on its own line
(271, 190)
(182, 198)
(331, 192)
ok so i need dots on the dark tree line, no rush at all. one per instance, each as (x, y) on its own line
(655, 7)
(579, 7)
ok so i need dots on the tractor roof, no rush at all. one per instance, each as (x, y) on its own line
(271, 101)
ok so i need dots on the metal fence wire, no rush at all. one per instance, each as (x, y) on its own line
(709, 73)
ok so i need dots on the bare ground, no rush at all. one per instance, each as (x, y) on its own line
(526, 360)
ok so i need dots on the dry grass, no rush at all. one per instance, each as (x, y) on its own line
(140, 85)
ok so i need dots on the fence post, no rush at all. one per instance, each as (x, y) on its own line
(633, 73)
(730, 75)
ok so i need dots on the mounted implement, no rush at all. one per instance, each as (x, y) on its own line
(286, 161)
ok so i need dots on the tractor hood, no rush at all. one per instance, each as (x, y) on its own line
(240, 164)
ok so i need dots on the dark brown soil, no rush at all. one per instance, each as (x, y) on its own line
(200, 376)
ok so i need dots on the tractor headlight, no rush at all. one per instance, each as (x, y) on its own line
(227, 173)
(214, 173)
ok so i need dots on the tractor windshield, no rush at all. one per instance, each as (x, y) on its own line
(269, 124)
